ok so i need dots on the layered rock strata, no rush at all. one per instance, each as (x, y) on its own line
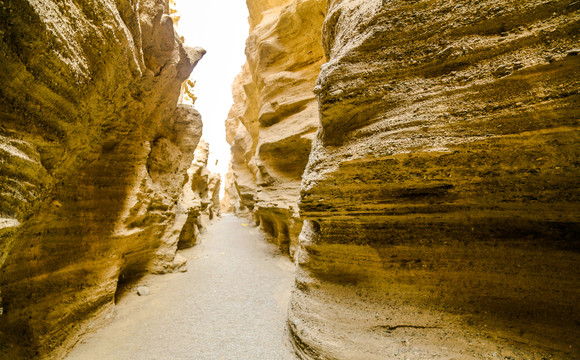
(195, 206)
(272, 122)
(441, 195)
(203, 203)
(94, 153)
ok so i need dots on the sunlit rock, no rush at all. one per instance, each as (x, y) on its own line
(93, 158)
(271, 125)
(440, 199)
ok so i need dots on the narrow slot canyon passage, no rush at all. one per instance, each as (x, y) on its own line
(412, 165)
(230, 304)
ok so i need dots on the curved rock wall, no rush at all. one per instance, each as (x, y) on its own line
(441, 195)
(272, 122)
(193, 208)
(199, 201)
(94, 152)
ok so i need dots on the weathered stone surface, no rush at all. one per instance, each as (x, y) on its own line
(213, 190)
(93, 157)
(185, 205)
(143, 291)
(441, 195)
(201, 196)
(272, 122)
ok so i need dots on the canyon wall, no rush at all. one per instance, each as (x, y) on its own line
(94, 154)
(203, 197)
(197, 203)
(274, 117)
(440, 200)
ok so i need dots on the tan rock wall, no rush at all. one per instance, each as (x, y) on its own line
(441, 195)
(202, 193)
(272, 122)
(214, 208)
(94, 153)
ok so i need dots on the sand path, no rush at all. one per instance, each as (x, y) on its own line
(230, 304)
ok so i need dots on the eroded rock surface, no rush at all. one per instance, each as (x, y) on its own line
(195, 206)
(441, 195)
(94, 153)
(202, 189)
(274, 117)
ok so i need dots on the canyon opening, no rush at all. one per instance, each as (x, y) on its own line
(372, 179)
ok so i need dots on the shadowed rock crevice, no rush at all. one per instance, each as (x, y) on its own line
(278, 225)
(127, 278)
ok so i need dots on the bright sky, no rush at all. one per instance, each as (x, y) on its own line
(221, 28)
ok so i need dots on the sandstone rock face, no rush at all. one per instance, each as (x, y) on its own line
(202, 189)
(441, 195)
(93, 158)
(192, 205)
(274, 117)
(214, 186)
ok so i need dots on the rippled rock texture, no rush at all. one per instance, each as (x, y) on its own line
(441, 200)
(201, 201)
(273, 120)
(94, 153)
(197, 203)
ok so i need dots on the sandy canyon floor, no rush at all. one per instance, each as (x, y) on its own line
(230, 304)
